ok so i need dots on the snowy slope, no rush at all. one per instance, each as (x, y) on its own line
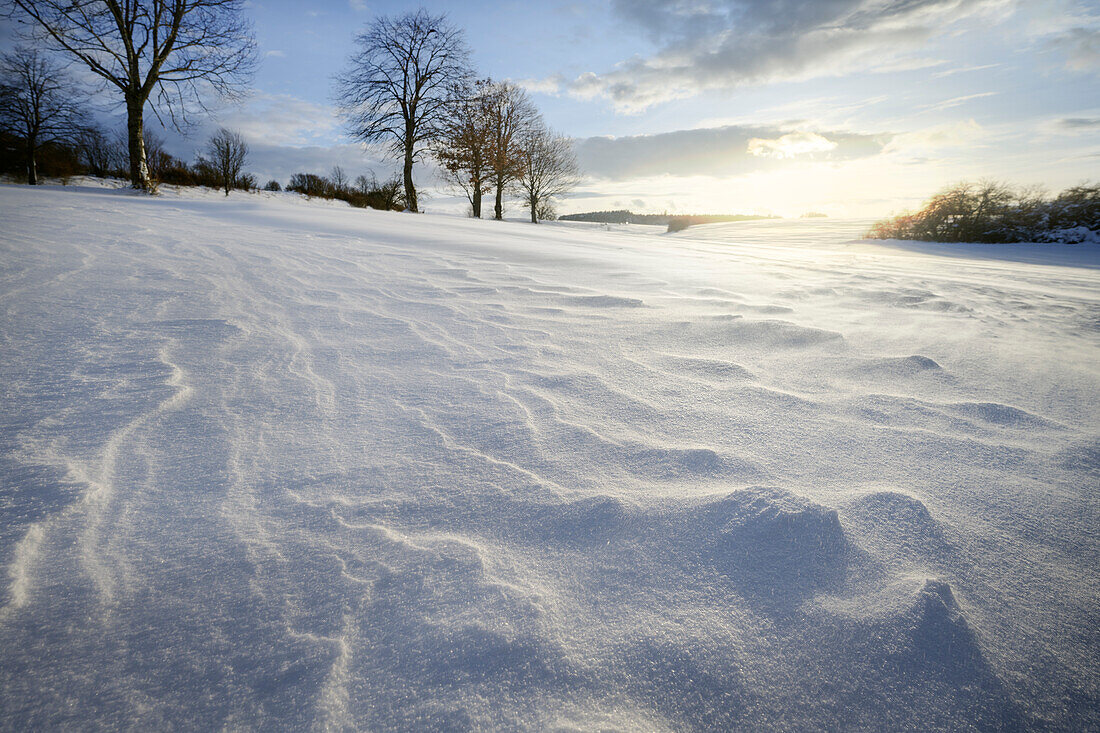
(269, 463)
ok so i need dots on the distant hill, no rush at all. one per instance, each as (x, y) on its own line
(623, 216)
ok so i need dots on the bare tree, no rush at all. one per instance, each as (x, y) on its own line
(339, 180)
(364, 185)
(36, 103)
(179, 49)
(462, 147)
(549, 168)
(396, 86)
(227, 153)
(96, 150)
(511, 116)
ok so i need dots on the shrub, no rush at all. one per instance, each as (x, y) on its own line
(272, 186)
(679, 223)
(310, 184)
(992, 212)
(388, 195)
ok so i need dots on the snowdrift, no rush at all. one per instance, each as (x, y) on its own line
(269, 463)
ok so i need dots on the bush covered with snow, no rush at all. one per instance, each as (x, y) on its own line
(994, 212)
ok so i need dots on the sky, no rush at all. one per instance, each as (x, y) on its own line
(853, 108)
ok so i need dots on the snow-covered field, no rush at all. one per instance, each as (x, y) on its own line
(273, 464)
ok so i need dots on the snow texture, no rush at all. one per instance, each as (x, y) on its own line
(275, 464)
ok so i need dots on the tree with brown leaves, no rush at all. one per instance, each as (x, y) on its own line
(511, 117)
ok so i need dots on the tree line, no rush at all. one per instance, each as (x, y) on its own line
(409, 86)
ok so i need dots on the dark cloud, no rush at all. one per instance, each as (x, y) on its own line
(1082, 124)
(725, 43)
(1081, 47)
(719, 151)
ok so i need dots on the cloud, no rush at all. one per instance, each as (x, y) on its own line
(924, 143)
(719, 151)
(549, 85)
(1082, 124)
(279, 162)
(282, 119)
(1081, 47)
(1071, 126)
(955, 101)
(721, 44)
(963, 70)
(790, 145)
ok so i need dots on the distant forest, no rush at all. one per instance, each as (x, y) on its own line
(623, 216)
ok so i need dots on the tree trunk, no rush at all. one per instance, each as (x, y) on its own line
(139, 169)
(476, 201)
(32, 168)
(534, 208)
(498, 207)
(410, 190)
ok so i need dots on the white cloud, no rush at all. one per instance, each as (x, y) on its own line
(963, 70)
(790, 145)
(955, 101)
(549, 85)
(929, 140)
(282, 119)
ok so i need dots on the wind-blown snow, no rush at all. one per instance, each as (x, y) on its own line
(273, 464)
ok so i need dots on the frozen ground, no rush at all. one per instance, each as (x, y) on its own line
(269, 464)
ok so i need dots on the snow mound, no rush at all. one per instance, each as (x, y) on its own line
(899, 526)
(900, 366)
(998, 414)
(735, 331)
(767, 531)
(710, 369)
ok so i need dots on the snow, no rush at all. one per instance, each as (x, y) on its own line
(275, 463)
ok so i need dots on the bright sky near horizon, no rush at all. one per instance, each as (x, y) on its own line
(849, 107)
